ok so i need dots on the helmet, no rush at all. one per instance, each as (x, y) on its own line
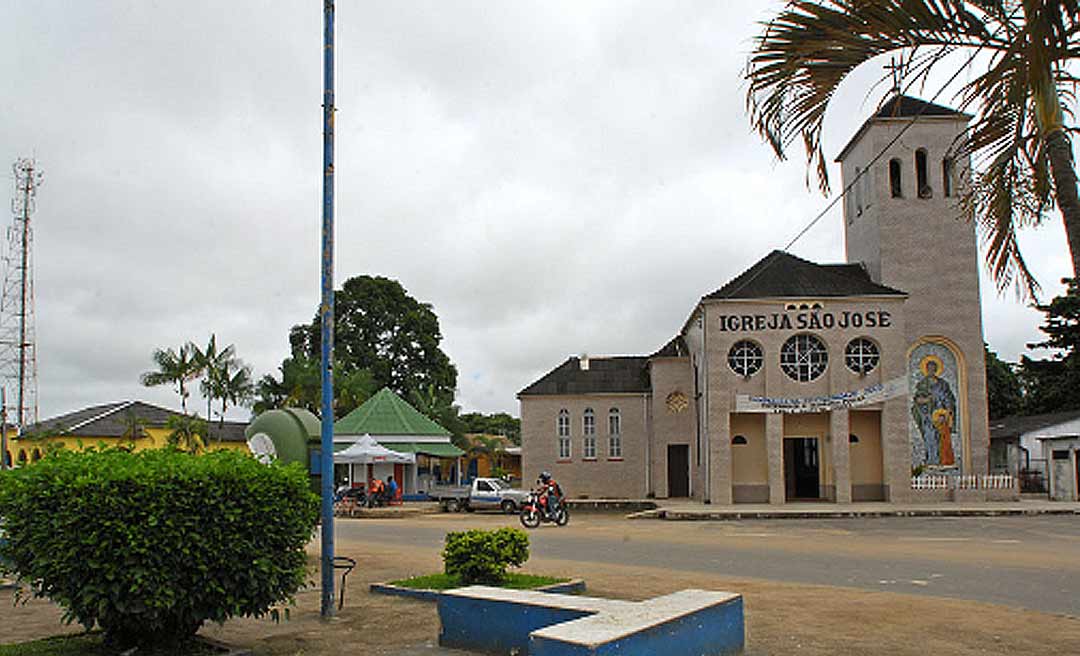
(545, 476)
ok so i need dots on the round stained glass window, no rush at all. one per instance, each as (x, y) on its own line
(861, 355)
(745, 358)
(804, 358)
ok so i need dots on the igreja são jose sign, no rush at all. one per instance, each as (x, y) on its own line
(805, 321)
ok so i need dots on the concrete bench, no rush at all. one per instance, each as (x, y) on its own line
(500, 621)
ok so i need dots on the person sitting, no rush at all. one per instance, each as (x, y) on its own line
(551, 493)
(376, 493)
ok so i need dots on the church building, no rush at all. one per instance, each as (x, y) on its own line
(798, 380)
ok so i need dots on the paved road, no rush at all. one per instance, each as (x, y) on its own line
(1029, 562)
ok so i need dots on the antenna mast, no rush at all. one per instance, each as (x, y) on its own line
(18, 353)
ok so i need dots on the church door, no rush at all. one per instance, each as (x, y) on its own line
(802, 470)
(678, 470)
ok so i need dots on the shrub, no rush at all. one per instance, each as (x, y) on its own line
(150, 545)
(482, 556)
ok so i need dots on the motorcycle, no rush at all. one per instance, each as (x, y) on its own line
(534, 512)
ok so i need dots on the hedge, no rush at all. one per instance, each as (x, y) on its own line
(478, 556)
(150, 545)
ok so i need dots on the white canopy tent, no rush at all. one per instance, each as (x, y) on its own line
(366, 451)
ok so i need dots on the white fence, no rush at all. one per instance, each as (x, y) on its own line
(963, 482)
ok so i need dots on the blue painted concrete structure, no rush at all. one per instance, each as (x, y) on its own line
(574, 586)
(498, 621)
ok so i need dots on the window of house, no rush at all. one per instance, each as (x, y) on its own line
(922, 179)
(588, 422)
(588, 450)
(1061, 454)
(35, 455)
(745, 358)
(947, 176)
(563, 430)
(895, 188)
(614, 433)
(853, 439)
(22, 457)
(563, 423)
(738, 440)
(803, 358)
(861, 355)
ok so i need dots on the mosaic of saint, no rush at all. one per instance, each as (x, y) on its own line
(936, 440)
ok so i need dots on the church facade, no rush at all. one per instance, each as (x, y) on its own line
(798, 380)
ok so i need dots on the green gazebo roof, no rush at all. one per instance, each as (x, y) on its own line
(386, 413)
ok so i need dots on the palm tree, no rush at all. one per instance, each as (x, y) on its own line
(233, 384)
(1022, 49)
(174, 367)
(134, 427)
(187, 432)
(212, 363)
(492, 448)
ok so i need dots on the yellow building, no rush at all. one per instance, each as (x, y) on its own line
(126, 423)
(508, 457)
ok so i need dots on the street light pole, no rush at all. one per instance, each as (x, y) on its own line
(326, 315)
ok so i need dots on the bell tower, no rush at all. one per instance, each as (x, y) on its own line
(902, 222)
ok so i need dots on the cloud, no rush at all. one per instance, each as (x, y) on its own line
(554, 178)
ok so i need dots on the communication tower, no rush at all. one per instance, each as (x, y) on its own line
(18, 353)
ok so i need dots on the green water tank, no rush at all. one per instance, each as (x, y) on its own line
(287, 434)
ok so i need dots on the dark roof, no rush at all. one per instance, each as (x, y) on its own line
(905, 106)
(107, 420)
(782, 275)
(901, 106)
(1017, 425)
(607, 375)
(676, 348)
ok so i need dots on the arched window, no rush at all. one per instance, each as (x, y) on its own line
(738, 440)
(7, 459)
(35, 455)
(853, 439)
(922, 179)
(614, 433)
(22, 457)
(895, 188)
(588, 429)
(563, 429)
(947, 176)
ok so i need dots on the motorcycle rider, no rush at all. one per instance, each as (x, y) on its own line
(550, 492)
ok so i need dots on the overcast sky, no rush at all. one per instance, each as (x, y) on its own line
(553, 177)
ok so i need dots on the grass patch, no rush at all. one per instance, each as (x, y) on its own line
(92, 644)
(448, 581)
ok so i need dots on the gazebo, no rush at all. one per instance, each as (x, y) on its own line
(399, 427)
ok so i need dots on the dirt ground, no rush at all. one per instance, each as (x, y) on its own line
(781, 618)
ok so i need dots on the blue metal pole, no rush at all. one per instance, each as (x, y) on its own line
(326, 316)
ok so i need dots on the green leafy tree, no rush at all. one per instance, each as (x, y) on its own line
(1050, 384)
(1015, 87)
(444, 413)
(1004, 392)
(499, 423)
(301, 386)
(134, 427)
(175, 367)
(491, 448)
(380, 328)
(186, 432)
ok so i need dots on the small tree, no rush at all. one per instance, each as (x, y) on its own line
(150, 545)
(187, 432)
(478, 556)
(178, 368)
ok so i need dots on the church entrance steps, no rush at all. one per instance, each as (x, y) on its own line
(700, 511)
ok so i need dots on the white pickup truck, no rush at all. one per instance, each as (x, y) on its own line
(484, 493)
